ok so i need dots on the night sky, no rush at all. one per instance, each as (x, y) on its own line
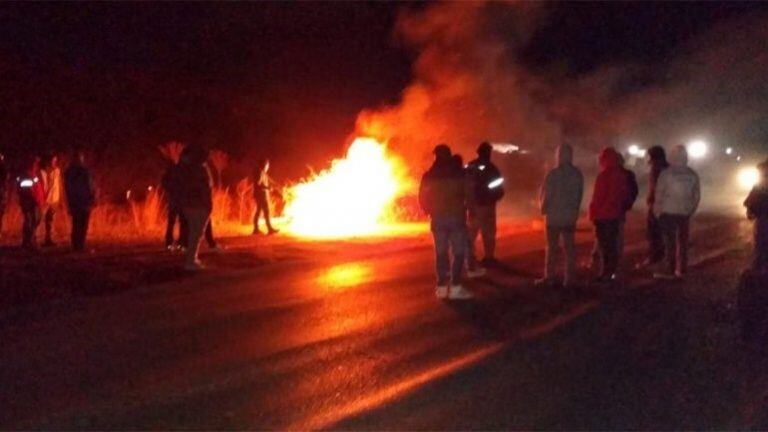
(287, 80)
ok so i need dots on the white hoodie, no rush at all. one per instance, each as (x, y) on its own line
(678, 190)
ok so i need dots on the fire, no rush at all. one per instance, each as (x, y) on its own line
(354, 197)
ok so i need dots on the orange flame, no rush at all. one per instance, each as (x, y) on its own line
(354, 197)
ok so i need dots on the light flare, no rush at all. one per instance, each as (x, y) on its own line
(748, 177)
(354, 197)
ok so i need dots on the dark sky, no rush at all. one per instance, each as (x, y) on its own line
(279, 79)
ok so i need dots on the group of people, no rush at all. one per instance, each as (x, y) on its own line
(461, 200)
(40, 187)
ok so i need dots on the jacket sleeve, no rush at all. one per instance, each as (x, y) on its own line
(425, 195)
(696, 194)
(544, 193)
(598, 195)
(580, 189)
(661, 193)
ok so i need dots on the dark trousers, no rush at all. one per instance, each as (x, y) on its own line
(262, 208)
(760, 261)
(676, 230)
(607, 233)
(50, 212)
(184, 232)
(482, 220)
(29, 228)
(80, 219)
(450, 235)
(655, 237)
(174, 214)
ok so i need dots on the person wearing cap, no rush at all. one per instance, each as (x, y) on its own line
(487, 189)
(678, 193)
(757, 211)
(262, 186)
(442, 196)
(51, 176)
(657, 159)
(560, 200)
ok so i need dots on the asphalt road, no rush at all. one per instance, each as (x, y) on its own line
(350, 336)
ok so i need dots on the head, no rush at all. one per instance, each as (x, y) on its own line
(657, 155)
(458, 161)
(484, 150)
(609, 158)
(565, 154)
(763, 168)
(442, 153)
(264, 164)
(78, 156)
(194, 155)
(678, 156)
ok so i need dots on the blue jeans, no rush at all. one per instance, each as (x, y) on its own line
(450, 236)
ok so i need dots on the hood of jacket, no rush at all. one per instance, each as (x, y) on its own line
(678, 157)
(608, 159)
(564, 155)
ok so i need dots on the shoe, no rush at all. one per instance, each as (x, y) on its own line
(476, 273)
(441, 291)
(256, 232)
(272, 231)
(458, 292)
(196, 266)
(216, 248)
(665, 276)
(49, 243)
(545, 282)
(171, 248)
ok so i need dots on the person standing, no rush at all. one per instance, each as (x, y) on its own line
(51, 176)
(81, 195)
(261, 188)
(487, 190)
(442, 196)
(678, 193)
(757, 210)
(3, 190)
(195, 200)
(31, 200)
(560, 200)
(171, 185)
(657, 159)
(607, 210)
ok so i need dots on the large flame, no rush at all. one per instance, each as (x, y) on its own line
(354, 197)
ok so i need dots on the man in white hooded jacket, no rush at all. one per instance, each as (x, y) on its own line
(678, 193)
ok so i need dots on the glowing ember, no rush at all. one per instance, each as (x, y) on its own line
(352, 198)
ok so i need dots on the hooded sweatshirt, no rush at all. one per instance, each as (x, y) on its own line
(560, 196)
(678, 190)
(612, 192)
(442, 191)
(658, 164)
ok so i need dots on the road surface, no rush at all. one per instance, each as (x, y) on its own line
(348, 335)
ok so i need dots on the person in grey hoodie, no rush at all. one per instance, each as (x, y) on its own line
(678, 193)
(560, 199)
(195, 199)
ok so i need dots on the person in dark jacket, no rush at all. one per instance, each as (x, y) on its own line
(261, 188)
(560, 199)
(757, 210)
(172, 187)
(3, 190)
(474, 270)
(487, 190)
(81, 195)
(657, 159)
(195, 199)
(442, 196)
(31, 201)
(607, 210)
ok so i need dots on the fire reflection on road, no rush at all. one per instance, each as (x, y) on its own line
(342, 277)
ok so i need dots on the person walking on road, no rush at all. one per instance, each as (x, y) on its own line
(31, 201)
(657, 159)
(195, 200)
(678, 193)
(171, 184)
(487, 190)
(560, 200)
(607, 210)
(81, 195)
(757, 210)
(442, 196)
(262, 185)
(51, 176)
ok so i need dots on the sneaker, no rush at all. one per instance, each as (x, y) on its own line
(441, 291)
(272, 231)
(216, 248)
(665, 276)
(476, 273)
(458, 292)
(256, 231)
(195, 266)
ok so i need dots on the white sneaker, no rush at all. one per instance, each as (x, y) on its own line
(476, 273)
(458, 292)
(441, 291)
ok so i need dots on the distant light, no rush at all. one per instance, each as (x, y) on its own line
(729, 150)
(636, 151)
(505, 148)
(496, 183)
(697, 149)
(481, 167)
(26, 183)
(149, 188)
(748, 177)
(738, 158)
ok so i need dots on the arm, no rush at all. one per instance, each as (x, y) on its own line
(661, 193)
(696, 194)
(544, 193)
(598, 195)
(424, 192)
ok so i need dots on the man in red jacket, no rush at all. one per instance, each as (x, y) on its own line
(31, 200)
(607, 210)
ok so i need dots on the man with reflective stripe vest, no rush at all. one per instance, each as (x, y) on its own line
(486, 189)
(31, 200)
